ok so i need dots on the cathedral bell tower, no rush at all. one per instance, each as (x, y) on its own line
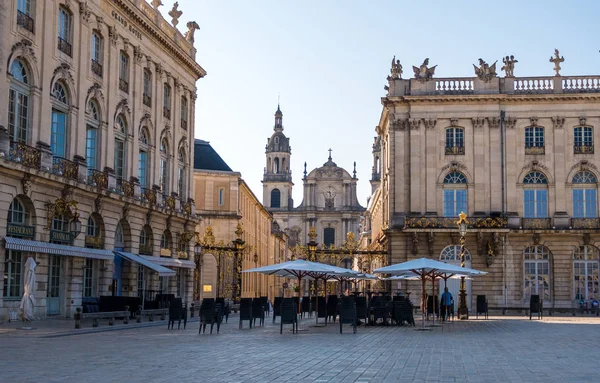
(277, 179)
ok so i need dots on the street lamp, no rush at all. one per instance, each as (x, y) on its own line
(75, 227)
(463, 311)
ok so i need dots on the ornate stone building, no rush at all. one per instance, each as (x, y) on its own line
(96, 152)
(329, 198)
(517, 154)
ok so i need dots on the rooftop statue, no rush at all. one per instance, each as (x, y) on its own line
(485, 72)
(192, 27)
(424, 73)
(175, 14)
(156, 4)
(509, 65)
(396, 71)
(557, 59)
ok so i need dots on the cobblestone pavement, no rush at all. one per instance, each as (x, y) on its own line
(504, 349)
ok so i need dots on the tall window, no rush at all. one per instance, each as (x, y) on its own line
(17, 214)
(184, 113)
(145, 241)
(535, 195)
(90, 278)
(455, 194)
(585, 273)
(120, 137)
(329, 236)
(147, 96)
(536, 266)
(583, 139)
(140, 281)
(124, 72)
(181, 179)
(221, 196)
(164, 166)
(97, 46)
(58, 139)
(13, 278)
(93, 229)
(585, 186)
(143, 159)
(275, 198)
(119, 237)
(25, 15)
(91, 137)
(455, 141)
(18, 102)
(64, 31)
(167, 101)
(534, 140)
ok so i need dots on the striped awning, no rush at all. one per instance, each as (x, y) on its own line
(56, 249)
(162, 271)
(170, 262)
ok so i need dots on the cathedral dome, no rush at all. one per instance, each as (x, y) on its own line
(278, 143)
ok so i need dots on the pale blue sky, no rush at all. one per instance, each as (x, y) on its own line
(329, 59)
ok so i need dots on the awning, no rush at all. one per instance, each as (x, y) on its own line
(162, 271)
(56, 249)
(171, 262)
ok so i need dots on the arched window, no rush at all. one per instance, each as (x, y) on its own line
(164, 166)
(275, 198)
(536, 268)
(452, 253)
(535, 195)
(60, 110)
(93, 229)
(97, 51)
(585, 273)
(18, 102)
(181, 178)
(17, 214)
(585, 186)
(276, 165)
(146, 241)
(147, 97)
(143, 160)
(120, 147)
(165, 244)
(91, 136)
(455, 141)
(455, 194)
(329, 236)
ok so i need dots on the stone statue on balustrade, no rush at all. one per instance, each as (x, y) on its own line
(156, 4)
(192, 27)
(509, 65)
(424, 73)
(485, 72)
(557, 59)
(396, 71)
(175, 14)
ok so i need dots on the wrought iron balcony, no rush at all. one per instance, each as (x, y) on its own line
(25, 155)
(537, 223)
(96, 68)
(166, 113)
(583, 149)
(585, 223)
(125, 187)
(535, 150)
(450, 222)
(25, 21)
(147, 100)
(65, 47)
(63, 167)
(97, 178)
(149, 196)
(124, 85)
(455, 150)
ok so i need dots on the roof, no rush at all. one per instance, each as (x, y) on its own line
(206, 158)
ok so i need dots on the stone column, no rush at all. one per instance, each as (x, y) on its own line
(82, 168)
(4, 141)
(415, 195)
(45, 155)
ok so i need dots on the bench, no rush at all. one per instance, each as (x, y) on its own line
(150, 314)
(110, 315)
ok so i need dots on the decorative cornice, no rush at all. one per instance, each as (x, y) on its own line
(414, 123)
(478, 122)
(510, 122)
(429, 123)
(493, 122)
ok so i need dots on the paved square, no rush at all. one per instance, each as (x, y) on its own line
(501, 349)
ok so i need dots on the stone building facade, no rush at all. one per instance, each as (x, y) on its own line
(514, 153)
(96, 152)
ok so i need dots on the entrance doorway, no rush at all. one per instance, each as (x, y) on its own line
(53, 293)
(451, 255)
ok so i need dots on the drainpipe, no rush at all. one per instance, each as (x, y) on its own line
(503, 166)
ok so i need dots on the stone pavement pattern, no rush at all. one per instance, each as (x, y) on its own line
(501, 349)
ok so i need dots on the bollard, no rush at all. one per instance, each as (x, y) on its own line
(78, 317)
(139, 314)
(126, 318)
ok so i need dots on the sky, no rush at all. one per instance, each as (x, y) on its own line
(327, 62)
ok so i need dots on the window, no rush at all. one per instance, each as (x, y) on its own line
(534, 140)
(455, 194)
(140, 281)
(119, 237)
(535, 195)
(452, 253)
(13, 278)
(97, 45)
(58, 139)
(147, 97)
(329, 236)
(90, 278)
(221, 197)
(17, 214)
(143, 158)
(164, 166)
(145, 241)
(181, 179)
(584, 195)
(275, 198)
(164, 241)
(93, 230)
(91, 137)
(64, 31)
(24, 15)
(184, 113)
(18, 103)
(455, 141)
(124, 72)
(585, 273)
(167, 101)
(120, 137)
(536, 267)
(583, 140)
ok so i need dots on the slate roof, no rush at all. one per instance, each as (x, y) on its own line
(206, 158)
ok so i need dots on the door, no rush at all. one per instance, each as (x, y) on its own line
(53, 293)
(451, 255)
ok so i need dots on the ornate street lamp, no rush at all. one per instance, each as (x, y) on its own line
(75, 227)
(463, 311)
(312, 248)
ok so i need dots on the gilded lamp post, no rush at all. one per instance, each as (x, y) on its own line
(463, 310)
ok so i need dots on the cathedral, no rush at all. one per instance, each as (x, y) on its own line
(329, 200)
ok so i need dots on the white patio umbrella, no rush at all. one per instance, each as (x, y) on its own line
(28, 301)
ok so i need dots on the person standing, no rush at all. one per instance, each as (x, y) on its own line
(446, 302)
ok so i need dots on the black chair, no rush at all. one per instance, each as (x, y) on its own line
(332, 307)
(265, 302)
(322, 308)
(258, 311)
(209, 314)
(225, 309)
(482, 306)
(535, 306)
(289, 314)
(277, 307)
(305, 306)
(348, 313)
(177, 312)
(403, 313)
(432, 308)
(245, 311)
(361, 309)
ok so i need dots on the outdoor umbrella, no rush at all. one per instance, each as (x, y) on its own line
(28, 301)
